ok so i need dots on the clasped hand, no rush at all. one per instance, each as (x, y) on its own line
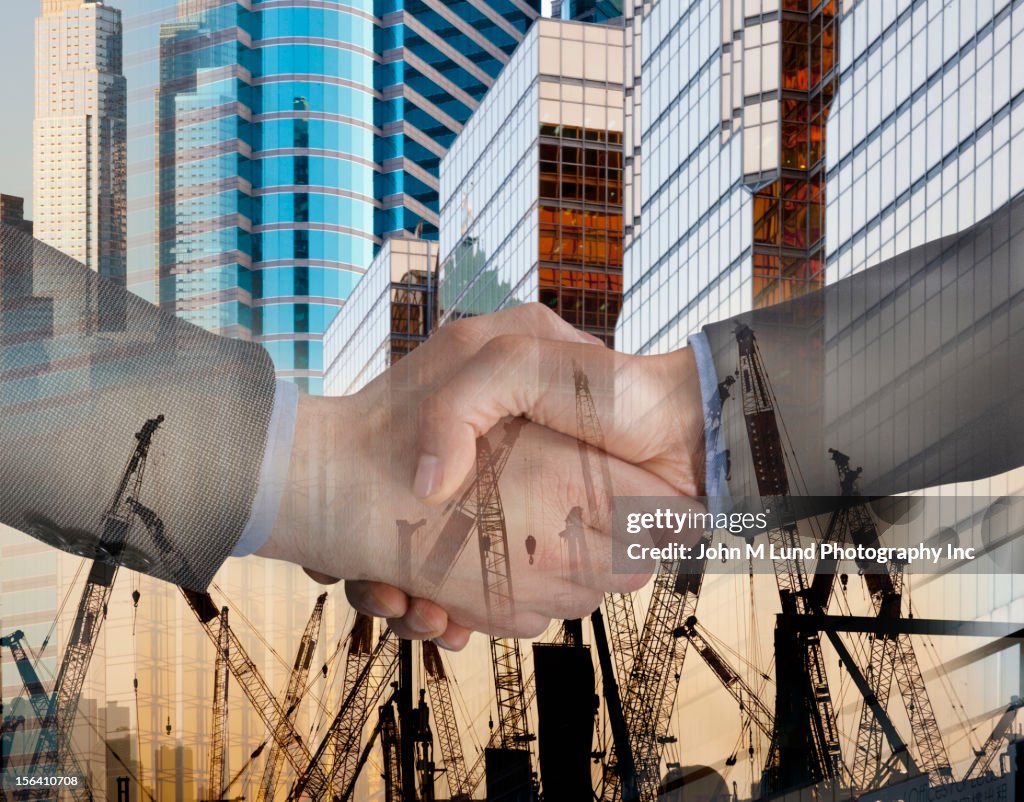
(381, 489)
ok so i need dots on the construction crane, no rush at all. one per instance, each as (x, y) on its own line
(621, 613)
(341, 753)
(219, 729)
(812, 711)
(53, 749)
(749, 702)
(253, 685)
(292, 697)
(650, 693)
(447, 729)
(240, 665)
(499, 603)
(392, 760)
(38, 698)
(983, 757)
(890, 656)
(315, 779)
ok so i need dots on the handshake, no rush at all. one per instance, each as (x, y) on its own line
(383, 487)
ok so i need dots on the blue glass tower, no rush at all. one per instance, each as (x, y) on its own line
(294, 137)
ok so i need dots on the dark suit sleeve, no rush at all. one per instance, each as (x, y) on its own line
(914, 368)
(83, 365)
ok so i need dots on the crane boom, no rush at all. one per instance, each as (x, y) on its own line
(894, 656)
(983, 757)
(654, 678)
(292, 697)
(38, 698)
(760, 415)
(341, 754)
(54, 745)
(749, 702)
(343, 735)
(219, 730)
(590, 441)
(252, 683)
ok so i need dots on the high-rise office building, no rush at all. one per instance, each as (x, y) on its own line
(531, 191)
(728, 208)
(751, 119)
(391, 311)
(79, 134)
(926, 138)
(294, 139)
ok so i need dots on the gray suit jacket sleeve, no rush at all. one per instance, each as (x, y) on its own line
(913, 368)
(83, 365)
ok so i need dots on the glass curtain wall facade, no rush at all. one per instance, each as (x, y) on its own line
(731, 117)
(532, 189)
(926, 138)
(390, 312)
(295, 137)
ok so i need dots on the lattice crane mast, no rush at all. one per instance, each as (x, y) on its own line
(653, 683)
(825, 762)
(292, 697)
(318, 779)
(252, 683)
(54, 745)
(38, 698)
(620, 609)
(448, 736)
(891, 655)
(219, 730)
(479, 509)
(498, 600)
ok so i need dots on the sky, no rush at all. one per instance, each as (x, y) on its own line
(16, 89)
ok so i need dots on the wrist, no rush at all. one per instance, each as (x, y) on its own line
(681, 379)
(309, 501)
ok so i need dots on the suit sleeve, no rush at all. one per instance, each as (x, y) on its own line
(913, 368)
(84, 365)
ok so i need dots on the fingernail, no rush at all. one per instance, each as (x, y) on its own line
(442, 643)
(428, 476)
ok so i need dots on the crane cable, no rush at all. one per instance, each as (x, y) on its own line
(136, 597)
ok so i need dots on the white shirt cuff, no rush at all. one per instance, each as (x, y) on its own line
(274, 471)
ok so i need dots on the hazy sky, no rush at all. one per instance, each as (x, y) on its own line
(16, 66)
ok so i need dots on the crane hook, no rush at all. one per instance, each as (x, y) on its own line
(531, 546)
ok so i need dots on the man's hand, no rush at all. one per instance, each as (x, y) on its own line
(350, 486)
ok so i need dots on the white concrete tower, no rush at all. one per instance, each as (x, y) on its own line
(79, 134)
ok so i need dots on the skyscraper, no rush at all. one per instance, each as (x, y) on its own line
(728, 208)
(79, 136)
(532, 190)
(294, 139)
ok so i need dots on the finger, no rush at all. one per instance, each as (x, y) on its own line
(454, 638)
(377, 599)
(509, 376)
(423, 620)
